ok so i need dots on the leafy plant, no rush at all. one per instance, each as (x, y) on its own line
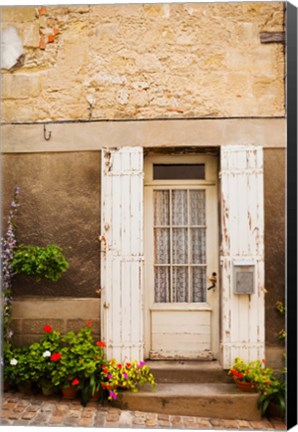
(254, 372)
(39, 261)
(274, 393)
(40, 354)
(126, 375)
(78, 362)
(19, 369)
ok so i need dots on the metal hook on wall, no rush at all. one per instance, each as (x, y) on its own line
(46, 137)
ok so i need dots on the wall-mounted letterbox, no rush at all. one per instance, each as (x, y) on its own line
(244, 276)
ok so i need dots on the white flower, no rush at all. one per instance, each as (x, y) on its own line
(47, 354)
(13, 362)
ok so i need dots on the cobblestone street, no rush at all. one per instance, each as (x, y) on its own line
(39, 410)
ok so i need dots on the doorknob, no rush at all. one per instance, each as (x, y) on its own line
(213, 280)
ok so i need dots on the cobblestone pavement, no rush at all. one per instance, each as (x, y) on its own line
(39, 410)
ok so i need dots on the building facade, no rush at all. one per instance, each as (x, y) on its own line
(148, 141)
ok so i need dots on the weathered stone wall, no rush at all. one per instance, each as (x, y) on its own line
(59, 204)
(145, 61)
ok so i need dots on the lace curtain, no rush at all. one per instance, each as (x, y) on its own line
(179, 246)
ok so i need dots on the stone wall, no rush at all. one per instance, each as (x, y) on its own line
(59, 204)
(145, 61)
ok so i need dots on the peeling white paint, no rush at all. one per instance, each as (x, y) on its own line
(242, 226)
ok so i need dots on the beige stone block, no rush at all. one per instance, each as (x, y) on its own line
(20, 340)
(18, 14)
(35, 326)
(56, 307)
(30, 36)
(16, 326)
(20, 86)
(153, 10)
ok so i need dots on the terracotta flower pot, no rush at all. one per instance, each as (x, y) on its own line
(6, 385)
(25, 388)
(47, 391)
(96, 396)
(69, 392)
(249, 387)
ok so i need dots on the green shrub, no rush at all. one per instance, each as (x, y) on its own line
(39, 261)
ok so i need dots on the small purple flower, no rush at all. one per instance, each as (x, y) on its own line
(125, 375)
(141, 364)
(109, 376)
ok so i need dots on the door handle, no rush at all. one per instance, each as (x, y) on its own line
(213, 280)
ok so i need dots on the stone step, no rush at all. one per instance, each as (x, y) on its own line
(188, 371)
(224, 401)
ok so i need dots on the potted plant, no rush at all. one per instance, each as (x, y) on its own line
(250, 376)
(20, 369)
(40, 354)
(272, 399)
(127, 375)
(39, 261)
(77, 363)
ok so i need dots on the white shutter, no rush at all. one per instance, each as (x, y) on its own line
(242, 231)
(122, 252)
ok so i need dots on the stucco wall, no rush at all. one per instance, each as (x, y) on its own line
(274, 185)
(59, 204)
(145, 61)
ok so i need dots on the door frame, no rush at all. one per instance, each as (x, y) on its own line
(210, 184)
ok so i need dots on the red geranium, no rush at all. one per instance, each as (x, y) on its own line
(55, 356)
(128, 365)
(119, 366)
(101, 344)
(75, 382)
(47, 329)
(89, 323)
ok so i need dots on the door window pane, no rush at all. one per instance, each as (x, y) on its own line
(180, 284)
(198, 284)
(197, 207)
(162, 245)
(179, 207)
(198, 245)
(162, 285)
(162, 207)
(180, 246)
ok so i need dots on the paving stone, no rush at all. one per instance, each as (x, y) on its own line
(47, 406)
(263, 425)
(55, 420)
(4, 414)
(151, 422)
(13, 415)
(164, 423)
(203, 423)
(29, 415)
(163, 417)
(70, 421)
(40, 419)
(9, 405)
(243, 424)
(99, 419)
(139, 421)
(86, 422)
(113, 424)
(125, 419)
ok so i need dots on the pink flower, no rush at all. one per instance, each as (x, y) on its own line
(113, 395)
(125, 375)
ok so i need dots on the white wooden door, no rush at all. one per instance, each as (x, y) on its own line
(181, 253)
(122, 253)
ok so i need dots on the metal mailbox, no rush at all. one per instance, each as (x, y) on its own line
(244, 277)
